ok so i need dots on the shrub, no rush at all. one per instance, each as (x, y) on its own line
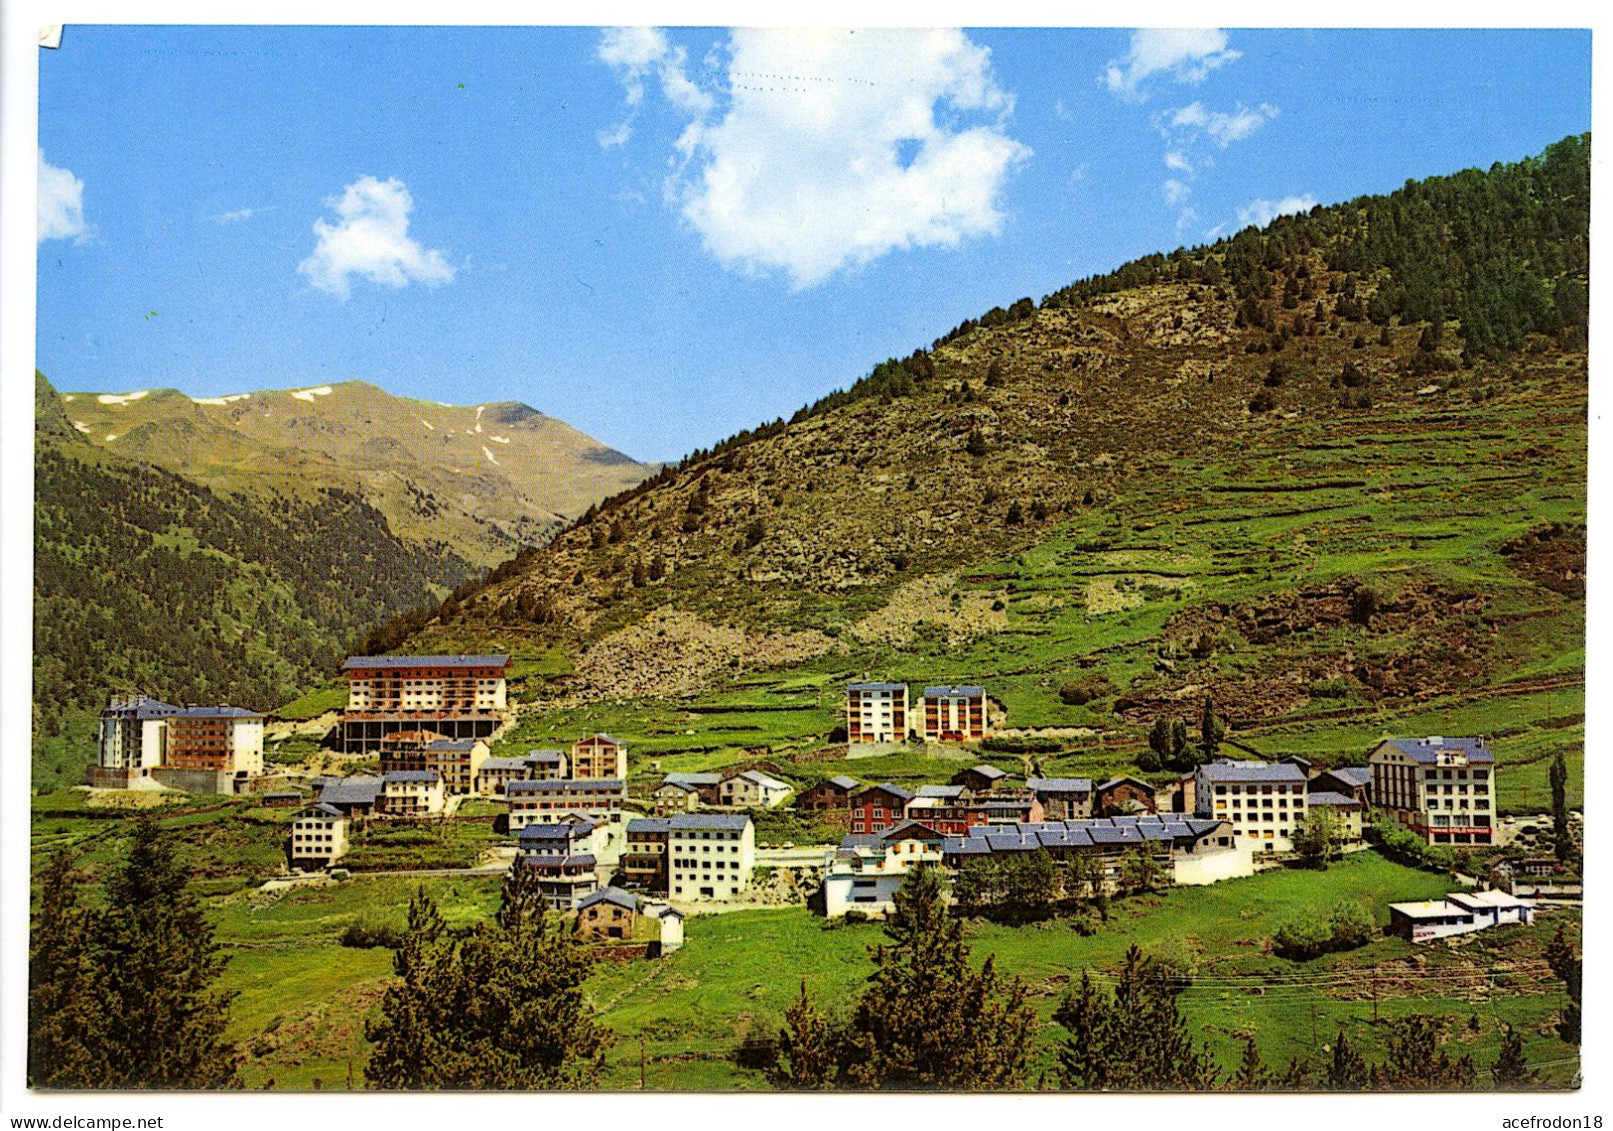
(370, 930)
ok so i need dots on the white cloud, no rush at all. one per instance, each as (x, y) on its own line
(1176, 159)
(1175, 191)
(1262, 212)
(61, 205)
(830, 153)
(635, 52)
(1224, 127)
(1186, 54)
(236, 216)
(371, 239)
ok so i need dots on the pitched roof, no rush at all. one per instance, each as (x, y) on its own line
(1328, 797)
(973, 691)
(1351, 775)
(1060, 785)
(887, 787)
(544, 757)
(565, 830)
(216, 713)
(321, 809)
(683, 822)
(986, 771)
(350, 791)
(844, 782)
(452, 744)
(560, 785)
(610, 895)
(648, 825)
(1225, 770)
(767, 781)
(942, 792)
(602, 737)
(910, 830)
(1426, 751)
(691, 780)
(1112, 782)
(367, 662)
(876, 687)
(505, 764)
(139, 707)
(580, 860)
(411, 775)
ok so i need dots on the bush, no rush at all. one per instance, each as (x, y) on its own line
(369, 930)
(1351, 927)
(1304, 936)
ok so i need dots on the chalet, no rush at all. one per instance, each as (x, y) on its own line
(833, 794)
(1351, 781)
(574, 836)
(868, 868)
(753, 789)
(1440, 788)
(1063, 799)
(1265, 801)
(876, 712)
(564, 880)
(953, 714)
(1194, 850)
(1124, 795)
(318, 837)
(878, 807)
(949, 809)
(1457, 914)
(1347, 811)
(599, 757)
(980, 779)
(457, 697)
(544, 802)
(355, 796)
(411, 793)
(643, 862)
(609, 913)
(684, 793)
(709, 855)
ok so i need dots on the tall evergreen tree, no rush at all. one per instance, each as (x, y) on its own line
(928, 1019)
(65, 987)
(1211, 731)
(1134, 1039)
(1414, 1061)
(807, 1048)
(1562, 836)
(1511, 1070)
(1347, 1071)
(1569, 967)
(1251, 1075)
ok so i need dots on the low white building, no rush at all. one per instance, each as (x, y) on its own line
(753, 789)
(868, 868)
(1459, 913)
(318, 837)
(1265, 801)
(709, 855)
(412, 793)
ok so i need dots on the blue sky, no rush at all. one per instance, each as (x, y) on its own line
(665, 236)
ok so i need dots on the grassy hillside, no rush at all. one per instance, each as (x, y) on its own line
(1330, 474)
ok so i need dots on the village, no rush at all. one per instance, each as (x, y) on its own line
(630, 867)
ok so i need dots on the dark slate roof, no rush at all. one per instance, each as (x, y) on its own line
(731, 822)
(425, 662)
(1060, 785)
(876, 687)
(1427, 750)
(860, 840)
(947, 792)
(411, 775)
(610, 895)
(690, 780)
(216, 713)
(910, 829)
(893, 790)
(845, 782)
(972, 690)
(581, 860)
(648, 825)
(986, 771)
(560, 785)
(1328, 797)
(543, 757)
(505, 764)
(320, 809)
(1229, 771)
(1352, 775)
(1112, 782)
(140, 707)
(965, 846)
(452, 744)
(351, 791)
(566, 830)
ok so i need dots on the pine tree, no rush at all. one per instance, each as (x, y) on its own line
(1251, 1075)
(1211, 730)
(66, 1048)
(928, 1019)
(1348, 1070)
(1511, 1070)
(1569, 967)
(1134, 1039)
(1089, 1057)
(807, 1048)
(163, 1018)
(1414, 1061)
(1562, 836)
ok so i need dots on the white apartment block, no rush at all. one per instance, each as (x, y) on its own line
(709, 855)
(1441, 788)
(1265, 802)
(318, 837)
(876, 712)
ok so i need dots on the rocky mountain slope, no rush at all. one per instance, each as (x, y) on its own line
(484, 480)
(1302, 471)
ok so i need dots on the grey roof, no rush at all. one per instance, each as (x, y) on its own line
(844, 782)
(411, 775)
(1060, 785)
(323, 809)
(351, 791)
(544, 757)
(505, 764)
(561, 830)
(860, 840)
(452, 744)
(139, 707)
(691, 780)
(915, 827)
(562, 785)
(580, 860)
(1351, 775)
(610, 895)
(1006, 803)
(876, 687)
(946, 792)
(759, 778)
(893, 790)
(648, 825)
(683, 822)
(607, 737)
(1229, 771)
(216, 713)
(1427, 750)
(972, 690)
(1112, 782)
(1328, 797)
(986, 771)
(425, 662)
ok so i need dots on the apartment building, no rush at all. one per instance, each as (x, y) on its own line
(1063, 799)
(318, 837)
(458, 761)
(221, 739)
(599, 757)
(643, 862)
(868, 868)
(412, 793)
(208, 749)
(495, 774)
(1440, 788)
(953, 714)
(544, 802)
(1264, 801)
(457, 697)
(1193, 850)
(709, 855)
(876, 712)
